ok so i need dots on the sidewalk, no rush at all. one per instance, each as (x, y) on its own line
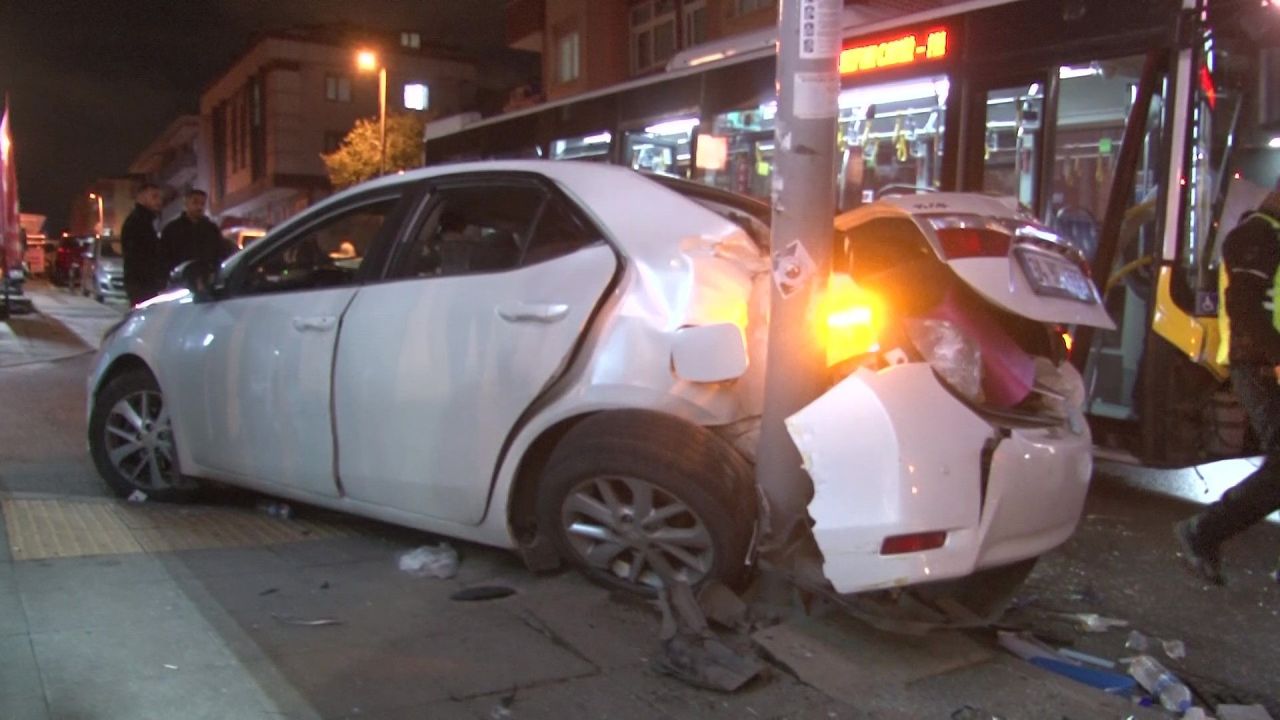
(65, 325)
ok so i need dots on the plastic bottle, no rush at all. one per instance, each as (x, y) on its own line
(1161, 683)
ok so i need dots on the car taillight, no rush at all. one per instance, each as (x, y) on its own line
(915, 542)
(973, 242)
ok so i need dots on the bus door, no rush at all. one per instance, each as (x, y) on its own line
(1006, 136)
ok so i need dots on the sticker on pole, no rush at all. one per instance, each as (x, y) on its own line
(792, 268)
(819, 28)
(815, 95)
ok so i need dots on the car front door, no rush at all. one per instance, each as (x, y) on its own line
(484, 303)
(256, 365)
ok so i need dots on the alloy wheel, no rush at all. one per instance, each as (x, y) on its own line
(633, 529)
(138, 437)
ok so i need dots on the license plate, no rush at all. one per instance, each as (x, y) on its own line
(1055, 276)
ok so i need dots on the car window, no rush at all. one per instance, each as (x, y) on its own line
(471, 229)
(558, 232)
(111, 248)
(328, 254)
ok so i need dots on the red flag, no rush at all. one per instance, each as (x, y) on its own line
(10, 228)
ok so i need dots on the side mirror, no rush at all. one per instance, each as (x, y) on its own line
(197, 276)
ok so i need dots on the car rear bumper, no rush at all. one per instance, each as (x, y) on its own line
(894, 453)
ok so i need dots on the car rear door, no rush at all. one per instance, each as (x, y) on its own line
(481, 309)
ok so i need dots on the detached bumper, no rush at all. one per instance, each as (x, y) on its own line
(894, 453)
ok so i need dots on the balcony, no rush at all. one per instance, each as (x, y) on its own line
(524, 20)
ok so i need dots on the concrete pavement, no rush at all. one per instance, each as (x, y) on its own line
(146, 629)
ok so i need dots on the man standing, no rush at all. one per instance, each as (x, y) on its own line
(145, 271)
(193, 236)
(1250, 257)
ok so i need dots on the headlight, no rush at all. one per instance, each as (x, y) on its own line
(955, 357)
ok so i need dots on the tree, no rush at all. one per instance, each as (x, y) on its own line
(356, 159)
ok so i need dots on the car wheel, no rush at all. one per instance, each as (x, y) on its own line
(633, 495)
(131, 439)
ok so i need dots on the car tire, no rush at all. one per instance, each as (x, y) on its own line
(693, 489)
(131, 440)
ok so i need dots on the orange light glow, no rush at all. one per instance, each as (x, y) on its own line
(851, 319)
(1067, 340)
(893, 52)
(367, 60)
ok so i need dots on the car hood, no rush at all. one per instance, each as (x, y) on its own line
(110, 264)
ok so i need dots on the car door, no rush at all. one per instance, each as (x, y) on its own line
(255, 366)
(482, 309)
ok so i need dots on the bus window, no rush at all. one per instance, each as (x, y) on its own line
(890, 139)
(594, 147)
(1093, 104)
(1012, 140)
(664, 147)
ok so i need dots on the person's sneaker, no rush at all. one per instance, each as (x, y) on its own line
(1205, 565)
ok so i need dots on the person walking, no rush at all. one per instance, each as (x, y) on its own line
(1250, 325)
(193, 236)
(145, 271)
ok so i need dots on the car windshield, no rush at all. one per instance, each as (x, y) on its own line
(111, 248)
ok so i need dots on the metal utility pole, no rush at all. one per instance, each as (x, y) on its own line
(382, 120)
(808, 83)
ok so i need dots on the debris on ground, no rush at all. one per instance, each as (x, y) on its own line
(268, 591)
(1046, 657)
(1243, 712)
(502, 711)
(482, 592)
(691, 652)
(1086, 658)
(968, 712)
(439, 562)
(722, 606)
(306, 622)
(1161, 683)
(1175, 649)
(279, 510)
(137, 496)
(1093, 622)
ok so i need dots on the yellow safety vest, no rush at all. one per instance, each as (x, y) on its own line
(1224, 322)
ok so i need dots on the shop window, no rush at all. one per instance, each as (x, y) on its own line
(593, 147)
(416, 96)
(664, 147)
(411, 40)
(695, 22)
(743, 7)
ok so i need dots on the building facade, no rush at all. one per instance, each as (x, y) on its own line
(586, 44)
(294, 95)
(170, 162)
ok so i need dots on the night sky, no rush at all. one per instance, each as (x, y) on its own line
(92, 83)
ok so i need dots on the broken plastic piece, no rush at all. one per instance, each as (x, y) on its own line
(427, 561)
(308, 622)
(1086, 658)
(1092, 622)
(1138, 641)
(1114, 683)
(1196, 713)
(1243, 712)
(1175, 649)
(137, 496)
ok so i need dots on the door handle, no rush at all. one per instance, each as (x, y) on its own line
(533, 312)
(318, 323)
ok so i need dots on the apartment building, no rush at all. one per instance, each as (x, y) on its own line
(294, 95)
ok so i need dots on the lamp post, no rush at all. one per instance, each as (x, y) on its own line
(367, 61)
(101, 223)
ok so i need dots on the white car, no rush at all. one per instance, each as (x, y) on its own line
(566, 359)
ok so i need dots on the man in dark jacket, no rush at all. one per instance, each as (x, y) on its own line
(193, 236)
(1251, 256)
(145, 270)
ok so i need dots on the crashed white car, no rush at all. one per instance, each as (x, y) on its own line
(567, 359)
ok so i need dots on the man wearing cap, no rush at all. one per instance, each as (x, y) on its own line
(1249, 324)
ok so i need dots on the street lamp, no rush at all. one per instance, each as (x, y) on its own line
(101, 224)
(367, 61)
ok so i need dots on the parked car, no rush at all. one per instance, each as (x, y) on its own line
(566, 355)
(103, 271)
(66, 262)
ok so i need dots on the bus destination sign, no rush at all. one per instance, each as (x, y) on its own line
(896, 51)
